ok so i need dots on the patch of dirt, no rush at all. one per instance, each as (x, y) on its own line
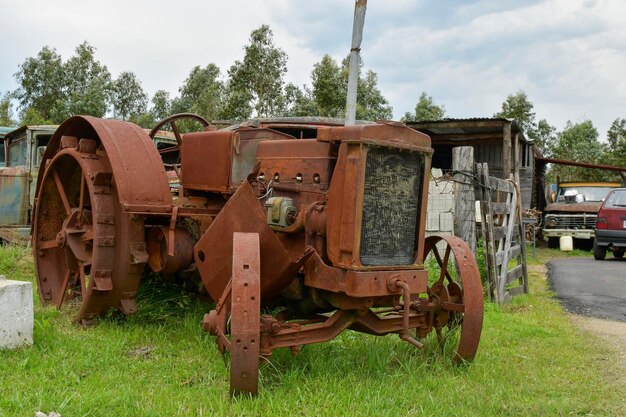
(613, 333)
(540, 270)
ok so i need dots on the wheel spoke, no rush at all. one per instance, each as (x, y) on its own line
(442, 265)
(47, 244)
(88, 235)
(179, 139)
(61, 297)
(61, 190)
(83, 283)
(81, 199)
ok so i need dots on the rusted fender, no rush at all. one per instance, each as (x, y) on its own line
(138, 170)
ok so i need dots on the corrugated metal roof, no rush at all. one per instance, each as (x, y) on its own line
(475, 126)
(21, 129)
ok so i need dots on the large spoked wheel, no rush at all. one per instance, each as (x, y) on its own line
(245, 314)
(456, 289)
(82, 241)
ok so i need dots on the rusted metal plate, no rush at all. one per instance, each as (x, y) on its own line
(230, 154)
(245, 314)
(136, 165)
(388, 134)
(212, 253)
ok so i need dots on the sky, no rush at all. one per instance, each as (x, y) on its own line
(569, 56)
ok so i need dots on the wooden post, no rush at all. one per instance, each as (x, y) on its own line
(506, 150)
(517, 155)
(464, 197)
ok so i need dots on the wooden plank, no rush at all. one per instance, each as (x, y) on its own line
(517, 155)
(500, 208)
(501, 185)
(506, 150)
(464, 199)
(522, 234)
(508, 222)
(514, 252)
(498, 232)
(515, 291)
(490, 242)
(513, 274)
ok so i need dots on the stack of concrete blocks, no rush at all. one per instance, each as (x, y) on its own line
(16, 313)
(440, 214)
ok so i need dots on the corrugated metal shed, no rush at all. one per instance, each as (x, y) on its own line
(499, 142)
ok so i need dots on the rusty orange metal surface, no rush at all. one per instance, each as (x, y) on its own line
(320, 224)
(245, 313)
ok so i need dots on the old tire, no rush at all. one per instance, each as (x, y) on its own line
(599, 252)
(618, 253)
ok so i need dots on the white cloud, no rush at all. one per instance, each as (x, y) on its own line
(568, 55)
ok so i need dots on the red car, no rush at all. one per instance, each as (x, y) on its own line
(611, 226)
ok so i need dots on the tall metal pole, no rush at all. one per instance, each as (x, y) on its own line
(353, 78)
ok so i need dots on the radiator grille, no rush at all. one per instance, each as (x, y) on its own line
(570, 221)
(393, 178)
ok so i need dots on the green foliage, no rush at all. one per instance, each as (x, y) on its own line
(52, 90)
(425, 109)
(327, 97)
(617, 142)
(545, 137)
(41, 83)
(517, 106)
(129, 99)
(87, 83)
(161, 105)
(579, 142)
(329, 88)
(32, 117)
(6, 111)
(255, 85)
(201, 93)
(298, 102)
(370, 102)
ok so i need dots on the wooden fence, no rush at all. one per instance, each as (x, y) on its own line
(503, 235)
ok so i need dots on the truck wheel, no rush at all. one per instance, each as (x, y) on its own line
(553, 242)
(618, 253)
(599, 252)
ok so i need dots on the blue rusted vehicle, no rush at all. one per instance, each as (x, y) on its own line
(23, 148)
(22, 152)
(3, 131)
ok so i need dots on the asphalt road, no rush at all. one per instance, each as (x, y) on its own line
(589, 287)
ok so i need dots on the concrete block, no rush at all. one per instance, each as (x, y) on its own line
(446, 222)
(16, 313)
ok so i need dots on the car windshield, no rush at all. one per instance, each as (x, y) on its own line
(616, 199)
(588, 193)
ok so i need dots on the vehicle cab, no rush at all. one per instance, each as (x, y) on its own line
(23, 149)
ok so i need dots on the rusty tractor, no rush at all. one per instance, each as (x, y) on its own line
(321, 224)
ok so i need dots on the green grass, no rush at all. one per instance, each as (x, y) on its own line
(531, 361)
